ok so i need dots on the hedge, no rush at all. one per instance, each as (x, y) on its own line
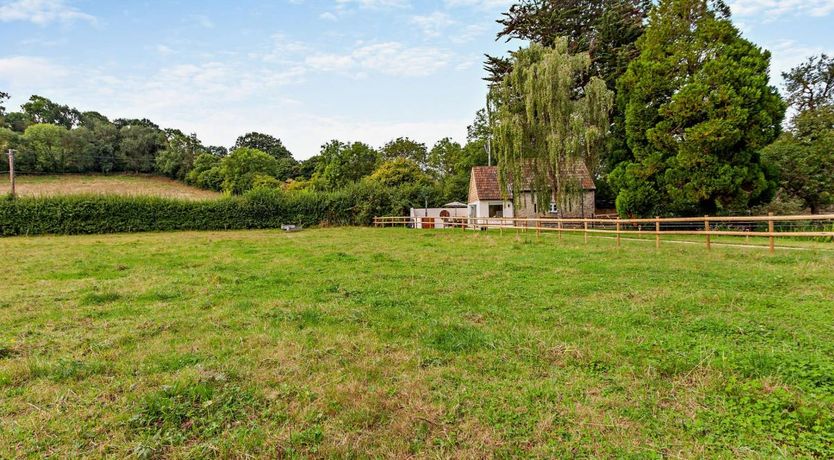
(261, 208)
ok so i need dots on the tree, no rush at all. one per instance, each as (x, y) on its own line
(41, 110)
(399, 171)
(804, 156)
(698, 109)
(444, 157)
(3, 98)
(344, 162)
(206, 172)
(177, 158)
(811, 84)
(265, 143)
(241, 167)
(404, 147)
(45, 145)
(606, 29)
(138, 147)
(541, 127)
(217, 151)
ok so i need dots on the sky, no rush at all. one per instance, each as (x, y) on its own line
(306, 71)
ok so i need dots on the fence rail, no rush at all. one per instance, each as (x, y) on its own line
(770, 226)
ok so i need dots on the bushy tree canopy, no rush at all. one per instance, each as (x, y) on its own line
(341, 163)
(241, 167)
(399, 171)
(698, 109)
(404, 147)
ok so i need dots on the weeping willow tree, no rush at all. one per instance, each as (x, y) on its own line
(545, 128)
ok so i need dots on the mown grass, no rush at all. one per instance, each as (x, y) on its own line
(357, 342)
(115, 184)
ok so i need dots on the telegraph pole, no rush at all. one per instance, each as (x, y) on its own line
(11, 170)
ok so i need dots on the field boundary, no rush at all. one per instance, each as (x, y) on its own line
(818, 227)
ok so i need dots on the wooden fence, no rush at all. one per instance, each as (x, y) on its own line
(770, 227)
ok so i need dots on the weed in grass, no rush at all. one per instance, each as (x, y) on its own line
(99, 298)
(190, 411)
(767, 420)
(67, 369)
(456, 338)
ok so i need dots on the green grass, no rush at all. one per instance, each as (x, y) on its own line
(358, 342)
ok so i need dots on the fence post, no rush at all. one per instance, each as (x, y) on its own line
(538, 228)
(770, 230)
(706, 230)
(657, 232)
(586, 230)
(560, 228)
(618, 231)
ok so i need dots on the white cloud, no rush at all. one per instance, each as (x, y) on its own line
(42, 12)
(164, 50)
(772, 9)
(432, 25)
(480, 4)
(787, 54)
(26, 70)
(328, 16)
(376, 4)
(390, 58)
(204, 21)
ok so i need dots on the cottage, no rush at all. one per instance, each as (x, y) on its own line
(485, 198)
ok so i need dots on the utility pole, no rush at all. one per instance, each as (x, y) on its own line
(11, 170)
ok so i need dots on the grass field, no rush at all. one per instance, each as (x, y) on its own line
(117, 184)
(359, 342)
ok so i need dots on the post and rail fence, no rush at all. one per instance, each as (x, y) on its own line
(768, 227)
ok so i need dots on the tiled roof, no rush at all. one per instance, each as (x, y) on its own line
(488, 187)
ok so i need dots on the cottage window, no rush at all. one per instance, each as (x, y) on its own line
(496, 210)
(553, 208)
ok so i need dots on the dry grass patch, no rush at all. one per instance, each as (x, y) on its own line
(118, 184)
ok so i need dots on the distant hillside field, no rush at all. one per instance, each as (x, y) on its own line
(107, 185)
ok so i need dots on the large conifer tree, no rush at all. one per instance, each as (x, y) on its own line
(698, 108)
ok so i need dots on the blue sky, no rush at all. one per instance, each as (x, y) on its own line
(306, 71)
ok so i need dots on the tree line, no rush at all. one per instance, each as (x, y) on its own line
(52, 138)
(666, 103)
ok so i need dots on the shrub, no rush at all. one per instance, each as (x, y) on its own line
(260, 208)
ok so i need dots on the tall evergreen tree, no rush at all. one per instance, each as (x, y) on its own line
(698, 108)
(606, 29)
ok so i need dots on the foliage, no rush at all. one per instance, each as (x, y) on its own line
(540, 126)
(399, 171)
(177, 158)
(606, 29)
(444, 157)
(41, 110)
(286, 165)
(240, 168)
(804, 158)
(341, 163)
(404, 147)
(46, 148)
(265, 207)
(695, 125)
(138, 147)
(810, 86)
(206, 173)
